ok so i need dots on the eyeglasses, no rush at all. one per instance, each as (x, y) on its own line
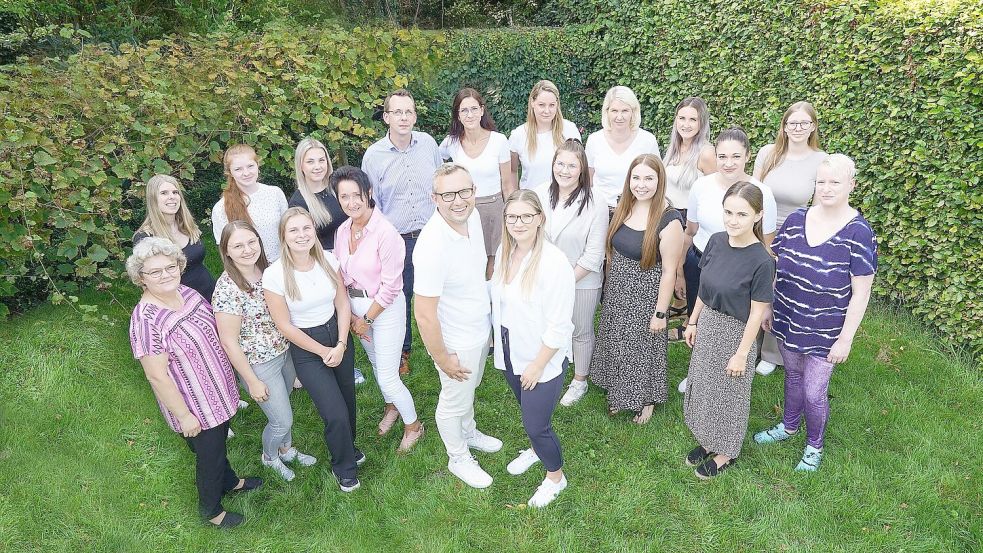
(464, 193)
(793, 125)
(156, 274)
(526, 218)
(560, 166)
(399, 114)
(464, 112)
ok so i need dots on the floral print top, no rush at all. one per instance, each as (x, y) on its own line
(258, 336)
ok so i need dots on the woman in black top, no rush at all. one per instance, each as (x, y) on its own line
(313, 167)
(168, 217)
(736, 279)
(630, 360)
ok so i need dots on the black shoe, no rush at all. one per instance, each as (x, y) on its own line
(359, 458)
(250, 483)
(710, 469)
(348, 484)
(230, 520)
(697, 457)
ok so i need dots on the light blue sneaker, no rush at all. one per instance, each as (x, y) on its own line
(359, 377)
(774, 434)
(810, 459)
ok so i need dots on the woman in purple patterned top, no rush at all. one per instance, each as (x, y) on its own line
(827, 257)
(173, 334)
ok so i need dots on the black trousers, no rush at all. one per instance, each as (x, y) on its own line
(332, 389)
(214, 476)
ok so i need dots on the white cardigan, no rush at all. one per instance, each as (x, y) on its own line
(581, 237)
(543, 317)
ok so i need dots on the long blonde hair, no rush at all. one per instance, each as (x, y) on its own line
(777, 154)
(532, 126)
(320, 214)
(691, 163)
(287, 259)
(155, 224)
(650, 239)
(531, 199)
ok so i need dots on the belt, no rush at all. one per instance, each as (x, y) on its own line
(411, 234)
(356, 293)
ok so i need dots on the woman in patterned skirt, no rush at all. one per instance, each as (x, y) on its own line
(737, 272)
(645, 233)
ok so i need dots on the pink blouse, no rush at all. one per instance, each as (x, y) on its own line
(377, 265)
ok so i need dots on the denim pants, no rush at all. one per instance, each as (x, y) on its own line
(278, 374)
(410, 243)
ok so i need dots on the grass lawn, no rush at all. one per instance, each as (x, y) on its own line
(88, 464)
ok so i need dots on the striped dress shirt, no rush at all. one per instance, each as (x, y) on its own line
(402, 180)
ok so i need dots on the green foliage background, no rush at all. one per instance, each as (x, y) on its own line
(900, 91)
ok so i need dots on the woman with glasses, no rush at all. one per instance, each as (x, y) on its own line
(532, 294)
(370, 255)
(533, 142)
(613, 148)
(168, 217)
(473, 143)
(644, 243)
(788, 168)
(578, 225)
(173, 334)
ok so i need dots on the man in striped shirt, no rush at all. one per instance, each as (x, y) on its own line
(401, 167)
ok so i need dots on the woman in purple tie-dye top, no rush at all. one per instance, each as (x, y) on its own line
(827, 257)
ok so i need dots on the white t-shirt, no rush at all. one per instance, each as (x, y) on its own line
(317, 292)
(486, 168)
(706, 207)
(538, 169)
(451, 267)
(265, 206)
(610, 169)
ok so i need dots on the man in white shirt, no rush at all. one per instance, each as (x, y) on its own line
(452, 311)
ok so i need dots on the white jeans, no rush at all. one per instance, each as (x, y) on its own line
(384, 350)
(455, 405)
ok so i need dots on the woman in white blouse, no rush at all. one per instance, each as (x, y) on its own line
(474, 143)
(532, 294)
(577, 224)
(612, 149)
(533, 142)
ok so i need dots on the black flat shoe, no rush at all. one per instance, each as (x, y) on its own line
(697, 456)
(230, 520)
(710, 469)
(249, 484)
(348, 484)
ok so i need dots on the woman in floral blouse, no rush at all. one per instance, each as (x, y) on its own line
(255, 347)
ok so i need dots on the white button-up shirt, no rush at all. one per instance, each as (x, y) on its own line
(581, 237)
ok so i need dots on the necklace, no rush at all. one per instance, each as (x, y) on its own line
(358, 234)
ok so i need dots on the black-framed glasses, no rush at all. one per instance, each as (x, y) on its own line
(156, 274)
(464, 194)
(793, 125)
(399, 113)
(526, 218)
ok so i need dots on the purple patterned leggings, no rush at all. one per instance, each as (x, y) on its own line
(806, 386)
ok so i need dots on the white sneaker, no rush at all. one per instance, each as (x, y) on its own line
(231, 434)
(547, 492)
(467, 469)
(359, 377)
(682, 386)
(278, 466)
(484, 442)
(765, 368)
(526, 459)
(243, 404)
(293, 454)
(575, 391)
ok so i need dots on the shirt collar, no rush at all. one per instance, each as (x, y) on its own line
(392, 147)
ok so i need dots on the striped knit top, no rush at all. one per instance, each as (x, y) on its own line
(812, 286)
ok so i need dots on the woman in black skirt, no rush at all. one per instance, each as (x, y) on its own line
(645, 234)
(737, 275)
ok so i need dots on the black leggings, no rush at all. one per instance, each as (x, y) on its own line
(332, 389)
(214, 476)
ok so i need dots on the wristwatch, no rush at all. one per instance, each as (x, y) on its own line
(368, 320)
(660, 314)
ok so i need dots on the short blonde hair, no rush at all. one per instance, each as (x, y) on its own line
(448, 168)
(150, 247)
(626, 95)
(841, 164)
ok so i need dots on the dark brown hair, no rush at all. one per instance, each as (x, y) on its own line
(650, 240)
(456, 130)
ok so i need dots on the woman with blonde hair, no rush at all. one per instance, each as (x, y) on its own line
(621, 139)
(247, 199)
(168, 217)
(788, 167)
(532, 294)
(533, 142)
(644, 243)
(312, 167)
(307, 300)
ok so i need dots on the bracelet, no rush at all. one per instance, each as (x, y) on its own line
(341, 343)
(690, 324)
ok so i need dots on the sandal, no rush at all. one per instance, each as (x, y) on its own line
(709, 469)
(697, 456)
(676, 334)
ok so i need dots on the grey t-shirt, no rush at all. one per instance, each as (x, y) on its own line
(732, 278)
(628, 241)
(793, 181)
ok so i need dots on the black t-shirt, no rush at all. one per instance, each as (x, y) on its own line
(628, 241)
(325, 234)
(195, 275)
(732, 278)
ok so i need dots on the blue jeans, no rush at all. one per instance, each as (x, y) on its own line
(410, 240)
